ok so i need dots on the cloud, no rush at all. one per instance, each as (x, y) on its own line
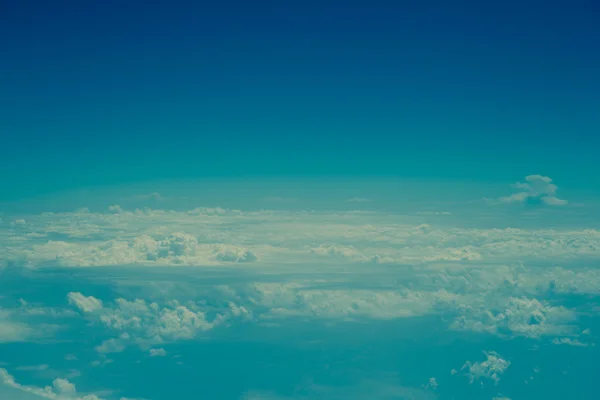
(61, 389)
(358, 200)
(145, 324)
(234, 254)
(158, 352)
(306, 300)
(535, 188)
(14, 331)
(491, 368)
(570, 342)
(518, 317)
(83, 303)
(213, 237)
(431, 384)
(37, 368)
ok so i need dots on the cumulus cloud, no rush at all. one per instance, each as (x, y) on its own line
(145, 324)
(535, 188)
(307, 300)
(158, 352)
(234, 254)
(61, 389)
(518, 317)
(85, 304)
(13, 330)
(491, 368)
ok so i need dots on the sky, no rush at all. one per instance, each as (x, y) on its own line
(104, 93)
(299, 200)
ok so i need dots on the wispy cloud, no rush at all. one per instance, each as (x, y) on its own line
(358, 200)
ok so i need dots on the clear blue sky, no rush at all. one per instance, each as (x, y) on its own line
(111, 92)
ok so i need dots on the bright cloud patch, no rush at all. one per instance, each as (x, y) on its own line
(217, 237)
(535, 188)
(61, 389)
(491, 368)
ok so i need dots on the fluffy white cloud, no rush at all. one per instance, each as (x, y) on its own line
(491, 368)
(145, 324)
(85, 304)
(308, 300)
(535, 187)
(158, 352)
(518, 317)
(61, 389)
(13, 330)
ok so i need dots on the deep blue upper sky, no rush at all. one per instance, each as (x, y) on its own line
(108, 92)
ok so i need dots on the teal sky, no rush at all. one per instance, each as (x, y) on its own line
(97, 93)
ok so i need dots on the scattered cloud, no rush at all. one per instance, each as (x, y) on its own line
(61, 389)
(12, 330)
(491, 368)
(431, 384)
(146, 324)
(518, 317)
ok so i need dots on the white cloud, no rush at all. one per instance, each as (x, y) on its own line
(61, 389)
(431, 384)
(158, 352)
(306, 299)
(83, 303)
(570, 342)
(14, 331)
(535, 187)
(518, 317)
(145, 324)
(38, 368)
(491, 368)
(213, 237)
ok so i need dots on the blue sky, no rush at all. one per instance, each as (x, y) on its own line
(101, 93)
(299, 200)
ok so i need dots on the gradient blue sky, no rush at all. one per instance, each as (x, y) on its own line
(113, 92)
